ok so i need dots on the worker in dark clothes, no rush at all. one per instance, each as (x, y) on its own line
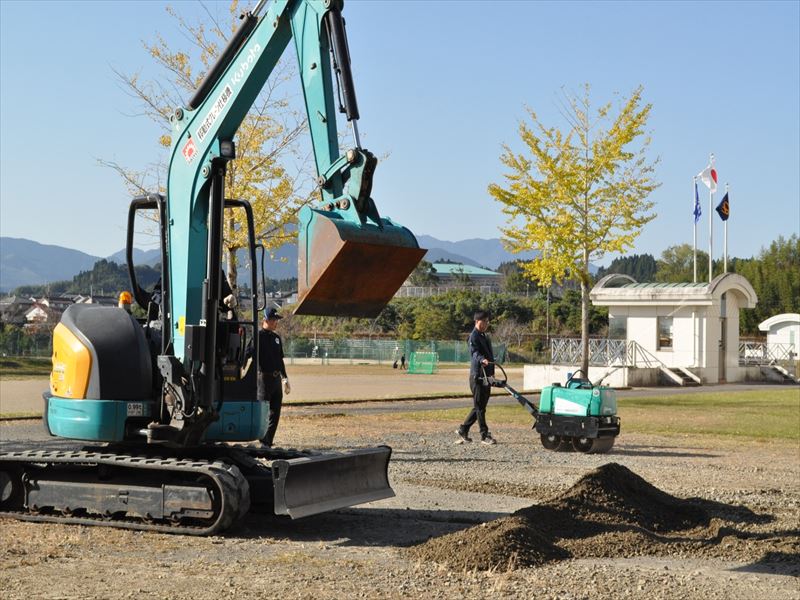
(273, 382)
(481, 367)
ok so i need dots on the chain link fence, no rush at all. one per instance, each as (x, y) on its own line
(381, 351)
(19, 343)
(16, 342)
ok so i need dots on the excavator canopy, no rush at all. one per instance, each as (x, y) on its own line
(347, 268)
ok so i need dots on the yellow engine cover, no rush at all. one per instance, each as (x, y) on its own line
(72, 365)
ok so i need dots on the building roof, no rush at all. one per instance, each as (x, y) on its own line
(778, 320)
(663, 285)
(618, 289)
(459, 269)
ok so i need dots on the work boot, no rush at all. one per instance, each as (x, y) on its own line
(463, 438)
(488, 440)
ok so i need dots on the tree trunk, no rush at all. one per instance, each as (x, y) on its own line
(585, 280)
(585, 327)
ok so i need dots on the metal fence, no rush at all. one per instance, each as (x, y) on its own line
(762, 353)
(602, 352)
(618, 353)
(427, 291)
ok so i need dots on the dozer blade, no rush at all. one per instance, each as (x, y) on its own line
(348, 269)
(310, 485)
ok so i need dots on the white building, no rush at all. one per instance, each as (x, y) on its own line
(694, 326)
(783, 331)
(681, 332)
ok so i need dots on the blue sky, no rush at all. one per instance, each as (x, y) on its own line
(441, 86)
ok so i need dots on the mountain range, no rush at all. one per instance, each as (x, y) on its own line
(26, 262)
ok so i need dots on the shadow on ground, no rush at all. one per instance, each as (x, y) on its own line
(362, 526)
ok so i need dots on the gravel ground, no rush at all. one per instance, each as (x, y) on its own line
(748, 548)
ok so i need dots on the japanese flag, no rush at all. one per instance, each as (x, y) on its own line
(709, 177)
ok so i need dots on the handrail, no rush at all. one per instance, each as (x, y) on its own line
(764, 353)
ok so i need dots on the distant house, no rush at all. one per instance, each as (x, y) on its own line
(783, 331)
(40, 314)
(56, 303)
(451, 276)
(46, 311)
(94, 299)
(13, 309)
(454, 274)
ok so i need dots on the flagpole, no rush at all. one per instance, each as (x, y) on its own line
(710, 225)
(694, 227)
(725, 261)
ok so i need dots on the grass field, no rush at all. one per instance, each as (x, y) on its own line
(22, 367)
(760, 415)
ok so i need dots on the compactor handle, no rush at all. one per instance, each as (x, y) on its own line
(579, 382)
(503, 383)
(492, 379)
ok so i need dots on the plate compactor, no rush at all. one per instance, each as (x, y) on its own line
(577, 416)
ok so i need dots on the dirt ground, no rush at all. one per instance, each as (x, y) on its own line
(702, 517)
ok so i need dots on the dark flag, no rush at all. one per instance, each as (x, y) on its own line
(724, 208)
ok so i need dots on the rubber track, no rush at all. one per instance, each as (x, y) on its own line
(232, 487)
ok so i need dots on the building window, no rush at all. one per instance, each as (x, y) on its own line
(617, 327)
(664, 333)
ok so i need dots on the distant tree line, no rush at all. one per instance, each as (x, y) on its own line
(519, 312)
(109, 278)
(104, 278)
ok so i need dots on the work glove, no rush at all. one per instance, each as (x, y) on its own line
(287, 389)
(230, 301)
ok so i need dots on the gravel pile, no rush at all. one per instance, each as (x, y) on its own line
(609, 513)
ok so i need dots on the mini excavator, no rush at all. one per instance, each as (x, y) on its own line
(156, 402)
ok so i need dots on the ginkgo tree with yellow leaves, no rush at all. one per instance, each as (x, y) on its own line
(266, 141)
(578, 193)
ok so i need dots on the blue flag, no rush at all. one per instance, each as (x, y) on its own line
(697, 211)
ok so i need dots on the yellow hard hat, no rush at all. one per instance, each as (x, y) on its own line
(126, 298)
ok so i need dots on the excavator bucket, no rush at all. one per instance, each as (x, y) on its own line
(350, 269)
(310, 485)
